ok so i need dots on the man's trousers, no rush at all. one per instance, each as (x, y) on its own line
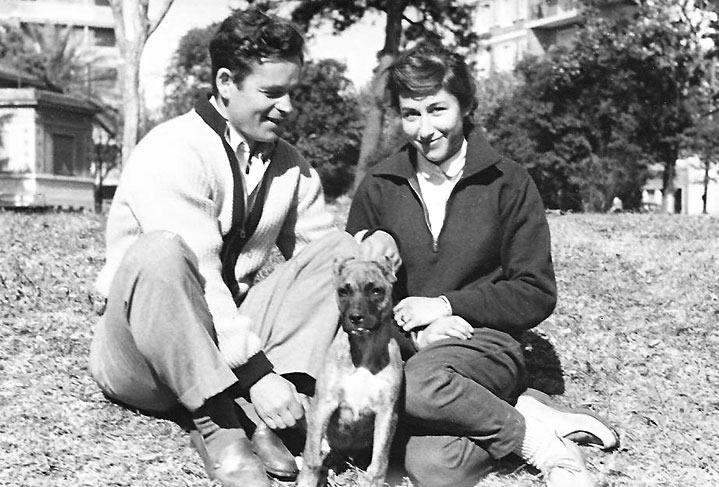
(156, 346)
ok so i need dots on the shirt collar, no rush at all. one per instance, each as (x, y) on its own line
(449, 168)
(235, 139)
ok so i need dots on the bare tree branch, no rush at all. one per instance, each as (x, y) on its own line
(164, 7)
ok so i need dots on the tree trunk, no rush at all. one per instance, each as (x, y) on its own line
(705, 194)
(375, 116)
(668, 187)
(131, 100)
(132, 28)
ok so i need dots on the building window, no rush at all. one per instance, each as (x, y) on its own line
(103, 37)
(63, 154)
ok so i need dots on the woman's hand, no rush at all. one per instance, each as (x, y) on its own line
(413, 312)
(445, 327)
(381, 245)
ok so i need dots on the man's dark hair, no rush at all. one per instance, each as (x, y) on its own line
(252, 36)
(427, 68)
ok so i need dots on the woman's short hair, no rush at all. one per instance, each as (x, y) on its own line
(252, 36)
(427, 68)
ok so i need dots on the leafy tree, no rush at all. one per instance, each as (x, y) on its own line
(703, 141)
(589, 119)
(133, 26)
(326, 120)
(189, 75)
(406, 20)
(492, 91)
(327, 124)
(49, 52)
(575, 147)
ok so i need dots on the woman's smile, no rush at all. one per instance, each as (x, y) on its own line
(434, 124)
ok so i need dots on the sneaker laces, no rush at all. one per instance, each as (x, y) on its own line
(565, 463)
(550, 457)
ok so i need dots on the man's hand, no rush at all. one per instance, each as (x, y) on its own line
(413, 312)
(381, 245)
(445, 327)
(276, 401)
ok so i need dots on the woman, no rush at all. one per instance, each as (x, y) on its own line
(470, 228)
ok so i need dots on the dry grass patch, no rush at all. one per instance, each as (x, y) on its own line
(634, 337)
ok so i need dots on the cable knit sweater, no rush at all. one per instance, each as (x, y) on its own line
(179, 179)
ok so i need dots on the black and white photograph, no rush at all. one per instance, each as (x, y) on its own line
(372, 243)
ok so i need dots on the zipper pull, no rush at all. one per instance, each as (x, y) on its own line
(435, 246)
(242, 232)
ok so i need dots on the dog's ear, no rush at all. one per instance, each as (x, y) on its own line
(339, 263)
(387, 269)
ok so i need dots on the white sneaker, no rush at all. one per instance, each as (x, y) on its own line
(562, 465)
(577, 424)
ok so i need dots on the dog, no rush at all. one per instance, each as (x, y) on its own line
(356, 396)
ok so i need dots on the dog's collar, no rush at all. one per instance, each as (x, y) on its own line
(360, 331)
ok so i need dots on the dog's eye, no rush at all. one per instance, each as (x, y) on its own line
(342, 292)
(377, 292)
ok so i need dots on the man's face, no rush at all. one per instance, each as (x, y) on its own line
(261, 103)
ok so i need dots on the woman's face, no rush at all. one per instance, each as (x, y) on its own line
(434, 124)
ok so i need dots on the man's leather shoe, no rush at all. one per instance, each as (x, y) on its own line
(577, 424)
(274, 455)
(222, 443)
(228, 458)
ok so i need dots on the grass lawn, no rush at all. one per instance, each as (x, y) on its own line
(634, 337)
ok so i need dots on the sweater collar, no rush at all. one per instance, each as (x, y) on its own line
(211, 116)
(480, 156)
(221, 126)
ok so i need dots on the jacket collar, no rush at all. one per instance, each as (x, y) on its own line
(480, 156)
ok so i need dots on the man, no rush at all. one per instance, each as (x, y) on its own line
(202, 201)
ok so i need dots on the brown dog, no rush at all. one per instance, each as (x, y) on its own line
(355, 403)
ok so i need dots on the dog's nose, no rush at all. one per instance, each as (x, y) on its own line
(356, 318)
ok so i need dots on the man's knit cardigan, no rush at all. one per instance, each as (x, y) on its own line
(179, 179)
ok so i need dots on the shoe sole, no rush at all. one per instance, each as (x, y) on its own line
(283, 475)
(582, 436)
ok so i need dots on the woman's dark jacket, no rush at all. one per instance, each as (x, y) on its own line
(492, 259)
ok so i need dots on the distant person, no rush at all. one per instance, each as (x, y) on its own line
(617, 205)
(470, 229)
(202, 201)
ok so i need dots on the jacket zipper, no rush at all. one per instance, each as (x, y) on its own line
(435, 241)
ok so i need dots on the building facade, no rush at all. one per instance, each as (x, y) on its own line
(92, 19)
(93, 31)
(45, 144)
(513, 29)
